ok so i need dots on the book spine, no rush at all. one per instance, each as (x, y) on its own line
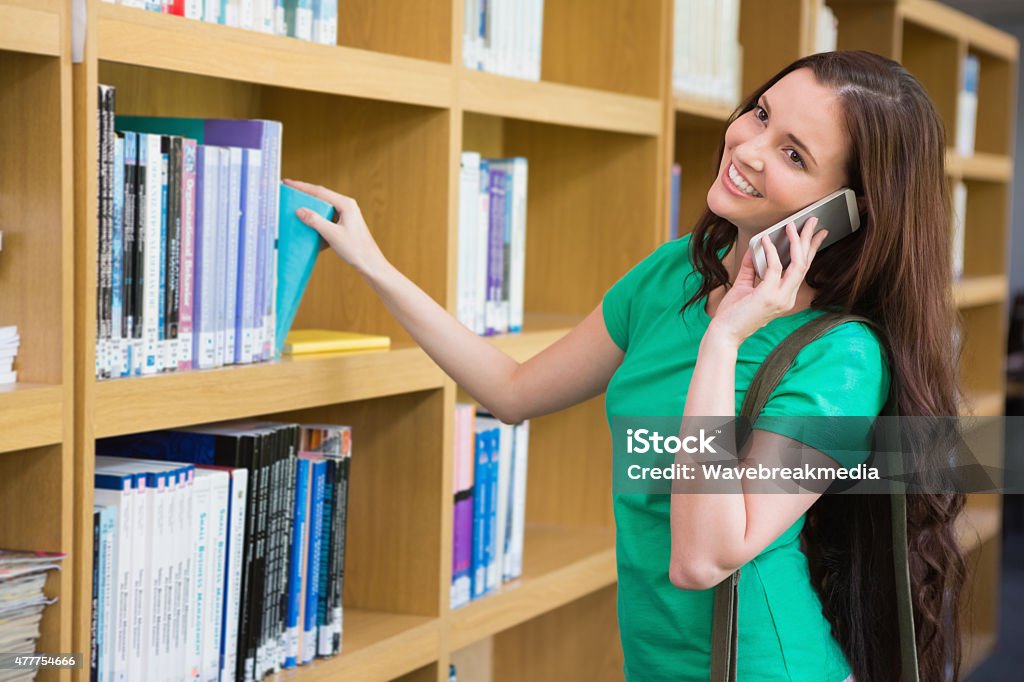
(334, 605)
(515, 195)
(105, 224)
(496, 246)
(203, 343)
(469, 206)
(480, 492)
(313, 561)
(246, 300)
(295, 562)
(97, 573)
(496, 567)
(188, 246)
(233, 224)
(130, 224)
(222, 229)
(290, 451)
(272, 161)
(327, 532)
(201, 566)
(514, 562)
(219, 497)
(161, 303)
(150, 146)
(233, 579)
(174, 230)
(482, 241)
(117, 261)
(141, 569)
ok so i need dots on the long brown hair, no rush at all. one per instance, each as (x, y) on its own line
(895, 270)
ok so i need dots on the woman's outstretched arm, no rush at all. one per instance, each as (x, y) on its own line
(576, 367)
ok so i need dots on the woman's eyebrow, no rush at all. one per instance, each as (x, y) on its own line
(791, 136)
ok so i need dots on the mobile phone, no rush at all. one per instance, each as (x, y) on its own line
(836, 213)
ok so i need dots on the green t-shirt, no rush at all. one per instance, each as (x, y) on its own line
(666, 631)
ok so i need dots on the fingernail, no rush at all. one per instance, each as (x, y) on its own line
(303, 214)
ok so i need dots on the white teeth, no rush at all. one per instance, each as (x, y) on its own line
(738, 180)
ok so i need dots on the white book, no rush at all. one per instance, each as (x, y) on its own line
(246, 15)
(218, 537)
(514, 557)
(959, 218)
(233, 579)
(537, 38)
(211, 11)
(232, 13)
(151, 251)
(469, 207)
(105, 572)
(204, 315)
(220, 299)
(272, 167)
(516, 193)
(470, 17)
(121, 588)
(193, 9)
(200, 568)
(231, 263)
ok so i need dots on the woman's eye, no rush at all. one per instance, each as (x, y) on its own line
(758, 110)
(795, 157)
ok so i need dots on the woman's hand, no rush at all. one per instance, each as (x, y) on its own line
(750, 304)
(348, 235)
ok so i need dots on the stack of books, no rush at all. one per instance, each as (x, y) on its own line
(492, 243)
(187, 253)
(706, 60)
(313, 20)
(490, 503)
(22, 601)
(9, 342)
(503, 37)
(220, 550)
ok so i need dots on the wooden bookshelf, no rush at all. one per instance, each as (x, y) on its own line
(36, 277)
(384, 116)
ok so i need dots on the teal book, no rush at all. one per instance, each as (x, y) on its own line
(297, 248)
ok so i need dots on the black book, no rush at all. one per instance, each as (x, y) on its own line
(93, 635)
(173, 255)
(131, 156)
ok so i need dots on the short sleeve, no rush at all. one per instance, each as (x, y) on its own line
(832, 393)
(619, 300)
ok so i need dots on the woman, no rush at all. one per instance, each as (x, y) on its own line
(816, 594)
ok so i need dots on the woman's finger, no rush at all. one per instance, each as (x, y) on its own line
(313, 219)
(773, 271)
(338, 201)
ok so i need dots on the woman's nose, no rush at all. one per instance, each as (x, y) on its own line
(750, 155)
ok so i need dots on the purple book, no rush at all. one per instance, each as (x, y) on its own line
(496, 253)
(188, 225)
(462, 548)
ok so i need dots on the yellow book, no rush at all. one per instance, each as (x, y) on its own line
(303, 341)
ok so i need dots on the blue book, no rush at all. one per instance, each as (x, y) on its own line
(480, 505)
(298, 247)
(491, 531)
(295, 561)
(316, 525)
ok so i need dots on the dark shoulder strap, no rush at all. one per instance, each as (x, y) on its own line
(765, 381)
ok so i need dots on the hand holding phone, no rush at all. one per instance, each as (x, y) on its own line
(836, 213)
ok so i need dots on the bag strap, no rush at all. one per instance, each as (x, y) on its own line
(765, 381)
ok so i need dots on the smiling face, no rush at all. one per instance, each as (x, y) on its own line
(787, 152)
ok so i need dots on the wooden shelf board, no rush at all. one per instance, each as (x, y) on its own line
(713, 111)
(976, 526)
(29, 29)
(138, 404)
(568, 105)
(375, 646)
(985, 403)
(162, 41)
(976, 291)
(31, 415)
(979, 166)
(560, 565)
(540, 330)
(945, 20)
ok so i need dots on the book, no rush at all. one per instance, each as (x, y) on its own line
(307, 341)
(675, 180)
(298, 246)
(967, 106)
